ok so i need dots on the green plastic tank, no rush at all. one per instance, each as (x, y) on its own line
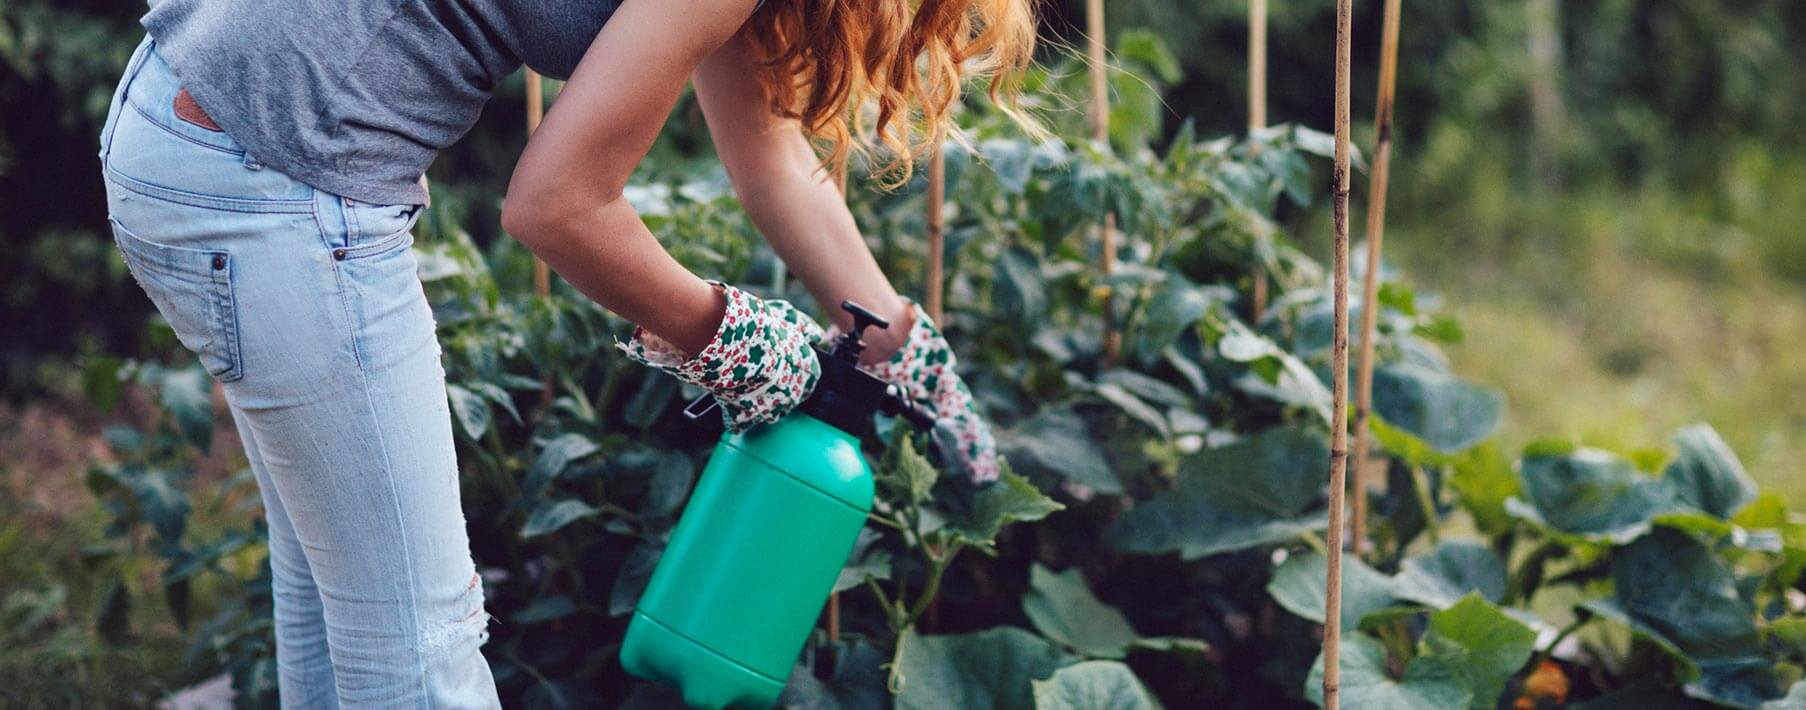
(756, 552)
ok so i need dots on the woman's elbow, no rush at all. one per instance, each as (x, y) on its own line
(521, 219)
(535, 213)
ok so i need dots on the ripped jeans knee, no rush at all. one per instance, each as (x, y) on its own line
(464, 620)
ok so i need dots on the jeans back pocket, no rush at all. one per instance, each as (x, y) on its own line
(192, 288)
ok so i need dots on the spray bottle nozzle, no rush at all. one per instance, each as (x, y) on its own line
(848, 346)
(846, 396)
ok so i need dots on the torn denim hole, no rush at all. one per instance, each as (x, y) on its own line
(471, 621)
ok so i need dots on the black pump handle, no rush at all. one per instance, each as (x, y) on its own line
(863, 317)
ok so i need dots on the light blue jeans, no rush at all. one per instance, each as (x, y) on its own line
(306, 306)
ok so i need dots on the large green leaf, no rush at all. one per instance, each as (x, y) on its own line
(857, 682)
(1021, 291)
(1484, 646)
(1177, 304)
(1742, 682)
(1676, 592)
(470, 409)
(1483, 480)
(553, 459)
(670, 483)
(1429, 684)
(906, 477)
(1010, 499)
(987, 669)
(1588, 493)
(1254, 492)
(1093, 685)
(1299, 586)
(552, 515)
(630, 582)
(1063, 609)
(1448, 572)
(1706, 475)
(1274, 373)
(1056, 441)
(1680, 587)
(1448, 413)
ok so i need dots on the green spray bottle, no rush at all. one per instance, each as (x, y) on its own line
(757, 550)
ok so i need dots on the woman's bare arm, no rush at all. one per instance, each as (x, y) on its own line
(565, 200)
(792, 201)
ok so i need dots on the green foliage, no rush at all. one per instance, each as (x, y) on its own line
(1062, 608)
(1299, 587)
(1185, 478)
(1093, 685)
(987, 669)
(1368, 683)
(1451, 570)
(1249, 493)
(1483, 644)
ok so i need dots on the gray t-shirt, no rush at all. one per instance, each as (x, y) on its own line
(356, 96)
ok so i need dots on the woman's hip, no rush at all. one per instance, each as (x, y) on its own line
(280, 289)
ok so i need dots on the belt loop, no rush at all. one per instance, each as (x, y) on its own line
(251, 162)
(353, 231)
(333, 219)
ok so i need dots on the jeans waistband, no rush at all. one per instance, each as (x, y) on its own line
(151, 90)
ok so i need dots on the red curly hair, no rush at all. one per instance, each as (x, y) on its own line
(829, 58)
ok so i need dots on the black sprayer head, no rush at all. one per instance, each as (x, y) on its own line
(846, 396)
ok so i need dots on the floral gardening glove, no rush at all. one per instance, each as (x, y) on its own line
(758, 367)
(924, 368)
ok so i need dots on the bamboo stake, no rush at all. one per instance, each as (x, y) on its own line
(542, 275)
(1338, 447)
(1370, 281)
(1100, 131)
(536, 111)
(838, 173)
(937, 230)
(1257, 116)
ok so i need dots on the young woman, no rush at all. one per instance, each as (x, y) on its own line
(264, 166)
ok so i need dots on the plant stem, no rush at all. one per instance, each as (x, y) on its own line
(891, 611)
(1544, 653)
(938, 565)
(1338, 456)
(1316, 543)
(1425, 503)
(1530, 571)
(1370, 281)
(895, 680)
(1397, 641)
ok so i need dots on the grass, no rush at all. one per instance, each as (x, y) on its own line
(1614, 317)
(54, 581)
(50, 654)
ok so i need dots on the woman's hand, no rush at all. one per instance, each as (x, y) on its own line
(924, 368)
(758, 366)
